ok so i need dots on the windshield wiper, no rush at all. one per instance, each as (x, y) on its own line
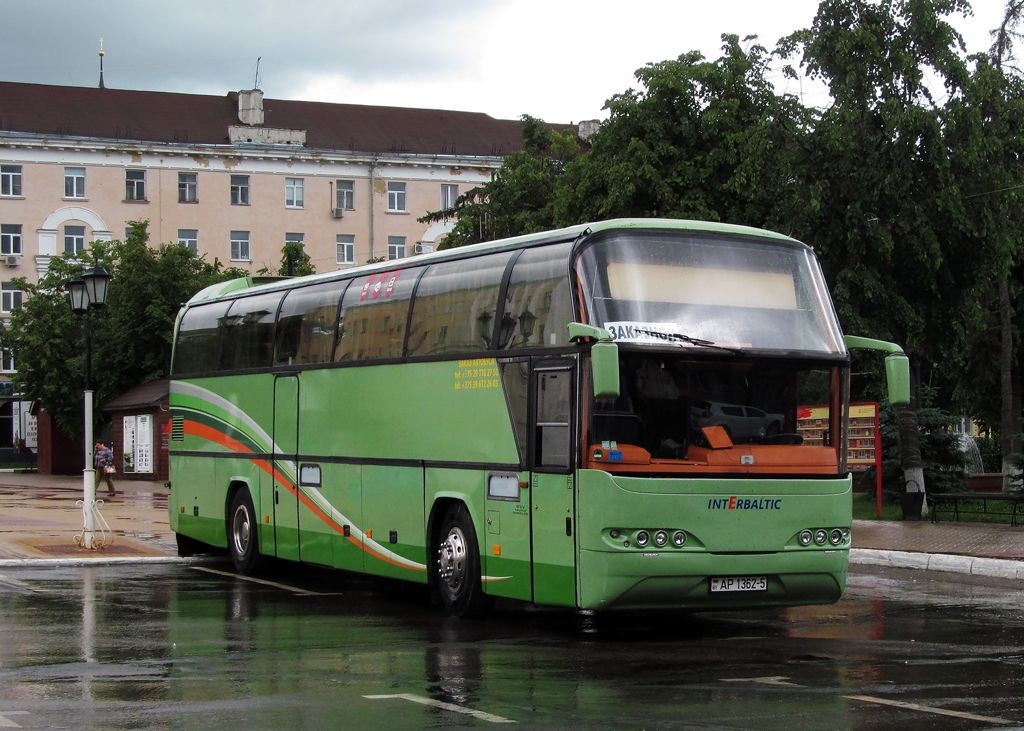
(680, 337)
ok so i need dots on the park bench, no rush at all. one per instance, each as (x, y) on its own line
(950, 502)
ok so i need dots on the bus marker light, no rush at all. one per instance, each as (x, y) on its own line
(806, 538)
(266, 518)
(369, 533)
(679, 538)
(183, 508)
(661, 538)
(497, 550)
(820, 536)
(642, 538)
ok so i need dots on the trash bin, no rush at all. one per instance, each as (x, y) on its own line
(911, 503)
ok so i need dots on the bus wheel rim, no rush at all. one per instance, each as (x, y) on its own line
(240, 530)
(451, 561)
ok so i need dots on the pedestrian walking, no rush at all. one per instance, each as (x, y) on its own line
(103, 461)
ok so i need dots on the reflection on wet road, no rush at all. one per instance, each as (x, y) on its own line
(176, 647)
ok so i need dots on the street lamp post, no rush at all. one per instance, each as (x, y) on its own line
(88, 295)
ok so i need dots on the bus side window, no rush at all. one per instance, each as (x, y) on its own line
(553, 418)
(376, 309)
(307, 324)
(455, 306)
(198, 346)
(515, 378)
(252, 320)
(538, 306)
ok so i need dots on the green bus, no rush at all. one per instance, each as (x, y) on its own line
(604, 417)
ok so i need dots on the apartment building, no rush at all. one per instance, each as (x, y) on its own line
(234, 177)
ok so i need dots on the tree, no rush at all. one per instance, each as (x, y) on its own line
(700, 139)
(295, 262)
(521, 197)
(132, 340)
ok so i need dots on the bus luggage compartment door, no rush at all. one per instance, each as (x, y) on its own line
(286, 439)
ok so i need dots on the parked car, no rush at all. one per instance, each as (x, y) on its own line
(741, 423)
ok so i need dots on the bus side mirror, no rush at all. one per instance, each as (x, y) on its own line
(897, 373)
(604, 358)
(897, 366)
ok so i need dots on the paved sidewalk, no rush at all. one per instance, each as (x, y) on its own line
(39, 518)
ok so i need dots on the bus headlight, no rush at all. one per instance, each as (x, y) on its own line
(642, 538)
(806, 537)
(679, 538)
(820, 536)
(660, 538)
(836, 536)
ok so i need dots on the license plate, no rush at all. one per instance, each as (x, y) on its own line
(740, 583)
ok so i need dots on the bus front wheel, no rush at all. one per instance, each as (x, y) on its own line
(243, 533)
(457, 564)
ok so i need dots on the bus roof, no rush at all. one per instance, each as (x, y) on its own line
(264, 283)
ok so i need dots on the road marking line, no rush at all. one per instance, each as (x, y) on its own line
(254, 580)
(443, 706)
(766, 680)
(928, 709)
(8, 723)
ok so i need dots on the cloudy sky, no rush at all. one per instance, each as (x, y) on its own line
(553, 59)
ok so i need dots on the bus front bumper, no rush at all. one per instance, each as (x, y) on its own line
(682, 580)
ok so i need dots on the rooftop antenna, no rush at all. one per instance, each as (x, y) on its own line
(256, 81)
(102, 85)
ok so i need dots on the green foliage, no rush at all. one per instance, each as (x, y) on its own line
(133, 337)
(707, 140)
(521, 197)
(944, 459)
(301, 264)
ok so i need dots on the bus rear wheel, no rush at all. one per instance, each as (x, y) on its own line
(457, 566)
(243, 533)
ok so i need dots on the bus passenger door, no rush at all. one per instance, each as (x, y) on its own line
(286, 433)
(551, 485)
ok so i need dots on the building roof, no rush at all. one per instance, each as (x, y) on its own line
(163, 117)
(146, 396)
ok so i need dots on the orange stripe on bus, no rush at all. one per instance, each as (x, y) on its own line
(207, 432)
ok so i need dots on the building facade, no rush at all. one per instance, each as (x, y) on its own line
(233, 177)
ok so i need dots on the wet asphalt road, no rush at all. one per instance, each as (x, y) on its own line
(179, 647)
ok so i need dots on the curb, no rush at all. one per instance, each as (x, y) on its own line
(1001, 568)
(9, 563)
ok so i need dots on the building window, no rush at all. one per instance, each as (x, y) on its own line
(239, 246)
(10, 180)
(448, 195)
(10, 239)
(135, 185)
(10, 297)
(74, 182)
(396, 197)
(294, 196)
(346, 195)
(7, 362)
(396, 247)
(188, 187)
(74, 239)
(189, 237)
(294, 238)
(239, 190)
(346, 249)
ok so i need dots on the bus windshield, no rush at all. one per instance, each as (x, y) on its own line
(677, 287)
(709, 415)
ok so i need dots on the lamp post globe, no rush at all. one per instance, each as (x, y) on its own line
(97, 281)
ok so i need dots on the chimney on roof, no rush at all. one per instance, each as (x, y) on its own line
(250, 107)
(102, 86)
(588, 127)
